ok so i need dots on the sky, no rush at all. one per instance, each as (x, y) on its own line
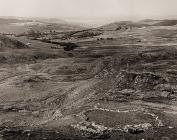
(87, 9)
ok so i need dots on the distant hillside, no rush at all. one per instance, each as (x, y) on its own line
(166, 23)
(124, 25)
(21, 25)
(149, 21)
(48, 20)
(11, 20)
(6, 42)
(121, 25)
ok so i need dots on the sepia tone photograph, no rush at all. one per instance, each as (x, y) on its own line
(88, 69)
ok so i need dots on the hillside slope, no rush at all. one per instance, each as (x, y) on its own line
(6, 42)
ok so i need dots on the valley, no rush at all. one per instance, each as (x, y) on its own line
(114, 82)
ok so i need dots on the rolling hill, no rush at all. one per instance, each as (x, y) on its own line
(6, 42)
